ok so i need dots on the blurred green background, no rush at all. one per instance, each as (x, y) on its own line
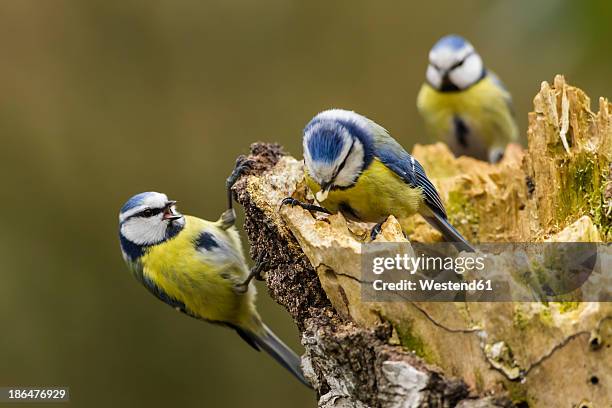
(100, 100)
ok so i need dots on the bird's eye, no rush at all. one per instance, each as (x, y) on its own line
(147, 213)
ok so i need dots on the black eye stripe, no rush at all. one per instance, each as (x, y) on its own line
(460, 63)
(341, 166)
(457, 64)
(146, 213)
(150, 212)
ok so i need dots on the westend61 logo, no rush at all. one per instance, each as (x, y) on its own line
(523, 272)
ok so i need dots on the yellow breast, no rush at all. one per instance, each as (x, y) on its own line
(203, 280)
(483, 107)
(378, 193)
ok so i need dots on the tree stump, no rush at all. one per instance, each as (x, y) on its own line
(426, 354)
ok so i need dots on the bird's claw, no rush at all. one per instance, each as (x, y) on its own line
(243, 165)
(242, 288)
(289, 201)
(309, 207)
(255, 273)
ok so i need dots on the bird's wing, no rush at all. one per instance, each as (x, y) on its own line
(221, 251)
(393, 155)
(506, 94)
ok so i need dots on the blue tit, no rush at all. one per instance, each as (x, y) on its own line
(197, 267)
(354, 166)
(464, 104)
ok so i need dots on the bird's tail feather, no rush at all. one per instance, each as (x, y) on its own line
(271, 344)
(449, 232)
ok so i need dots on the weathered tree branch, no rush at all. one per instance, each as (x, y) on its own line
(419, 354)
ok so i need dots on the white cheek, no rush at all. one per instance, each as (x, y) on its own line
(352, 167)
(468, 73)
(145, 231)
(433, 77)
(321, 171)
